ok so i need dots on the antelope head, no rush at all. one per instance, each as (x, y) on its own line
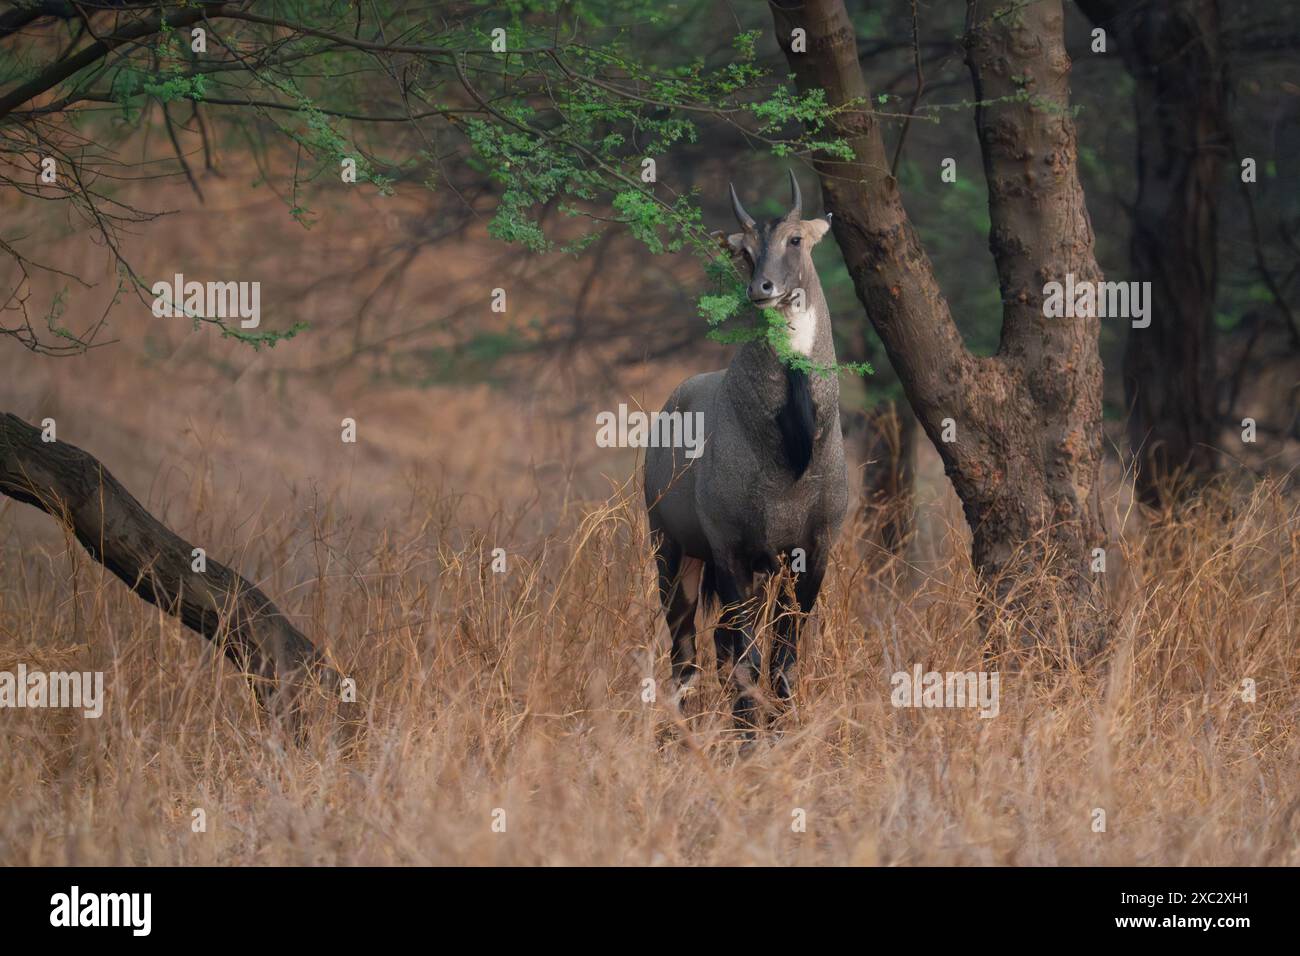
(776, 254)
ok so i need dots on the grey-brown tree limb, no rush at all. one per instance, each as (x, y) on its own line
(77, 491)
(134, 30)
(1027, 453)
(69, 66)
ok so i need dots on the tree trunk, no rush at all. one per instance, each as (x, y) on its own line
(74, 488)
(1025, 423)
(1171, 48)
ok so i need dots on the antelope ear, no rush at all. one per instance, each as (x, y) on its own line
(816, 228)
(729, 243)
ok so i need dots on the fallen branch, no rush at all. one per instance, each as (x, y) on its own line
(153, 561)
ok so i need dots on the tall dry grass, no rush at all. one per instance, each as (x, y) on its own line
(523, 692)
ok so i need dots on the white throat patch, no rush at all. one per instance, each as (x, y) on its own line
(803, 330)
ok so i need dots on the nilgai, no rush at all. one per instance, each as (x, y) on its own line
(770, 486)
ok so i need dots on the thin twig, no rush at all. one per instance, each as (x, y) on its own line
(916, 98)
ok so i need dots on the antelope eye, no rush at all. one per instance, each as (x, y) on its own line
(796, 240)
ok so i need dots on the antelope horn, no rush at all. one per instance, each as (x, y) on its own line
(796, 209)
(742, 217)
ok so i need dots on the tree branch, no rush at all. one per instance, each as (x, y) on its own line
(1039, 226)
(57, 72)
(916, 97)
(891, 272)
(11, 21)
(73, 487)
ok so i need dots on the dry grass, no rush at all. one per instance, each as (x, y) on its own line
(523, 691)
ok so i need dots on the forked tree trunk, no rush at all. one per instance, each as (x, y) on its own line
(1171, 48)
(1027, 448)
(77, 491)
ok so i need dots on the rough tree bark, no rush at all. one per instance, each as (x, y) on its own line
(1171, 49)
(1028, 445)
(76, 490)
